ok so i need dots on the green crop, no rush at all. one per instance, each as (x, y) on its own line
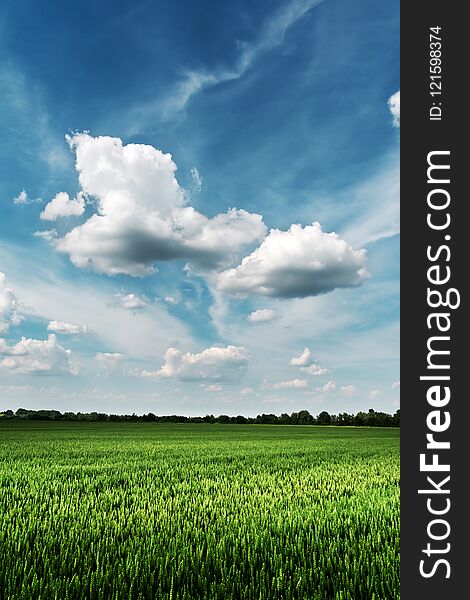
(107, 511)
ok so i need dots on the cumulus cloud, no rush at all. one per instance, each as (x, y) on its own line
(375, 394)
(394, 106)
(63, 206)
(262, 315)
(308, 363)
(37, 357)
(130, 301)
(23, 198)
(142, 214)
(109, 361)
(348, 390)
(305, 359)
(246, 391)
(327, 388)
(292, 384)
(66, 328)
(9, 311)
(170, 300)
(215, 363)
(396, 385)
(300, 262)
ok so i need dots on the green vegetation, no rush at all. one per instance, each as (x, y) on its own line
(124, 511)
(303, 417)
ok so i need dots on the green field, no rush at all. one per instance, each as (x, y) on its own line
(238, 512)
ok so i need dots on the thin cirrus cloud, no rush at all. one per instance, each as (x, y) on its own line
(142, 216)
(9, 308)
(63, 206)
(37, 357)
(300, 262)
(271, 35)
(215, 363)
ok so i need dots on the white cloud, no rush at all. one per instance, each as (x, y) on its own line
(215, 363)
(396, 385)
(292, 384)
(63, 206)
(315, 369)
(300, 262)
(327, 388)
(308, 363)
(348, 390)
(170, 300)
(66, 328)
(213, 387)
(305, 359)
(246, 391)
(9, 311)
(32, 357)
(109, 361)
(375, 394)
(197, 179)
(23, 198)
(394, 106)
(49, 234)
(141, 214)
(131, 301)
(262, 315)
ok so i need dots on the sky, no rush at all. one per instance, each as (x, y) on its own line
(199, 206)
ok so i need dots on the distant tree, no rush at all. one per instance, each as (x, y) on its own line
(294, 418)
(360, 418)
(305, 418)
(240, 420)
(396, 419)
(324, 418)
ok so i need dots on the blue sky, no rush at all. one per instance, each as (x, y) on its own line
(253, 270)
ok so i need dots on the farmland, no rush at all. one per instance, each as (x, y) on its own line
(184, 512)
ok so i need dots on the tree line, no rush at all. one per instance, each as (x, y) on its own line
(371, 418)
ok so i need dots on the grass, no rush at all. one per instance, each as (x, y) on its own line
(185, 512)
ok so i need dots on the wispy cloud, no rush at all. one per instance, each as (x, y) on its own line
(22, 100)
(192, 83)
